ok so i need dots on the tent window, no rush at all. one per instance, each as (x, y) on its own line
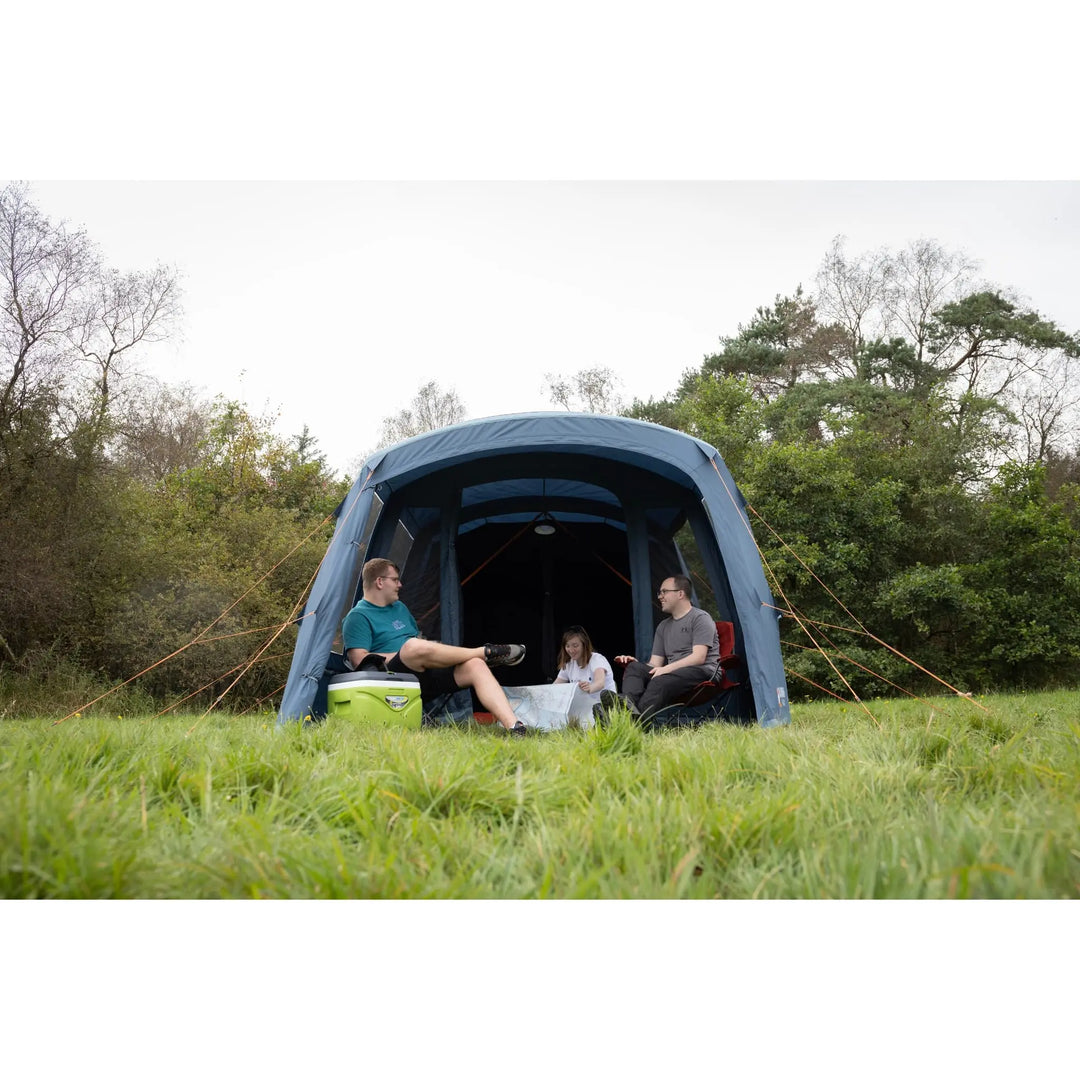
(687, 545)
(401, 545)
(715, 572)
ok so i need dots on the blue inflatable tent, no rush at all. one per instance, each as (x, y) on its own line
(512, 528)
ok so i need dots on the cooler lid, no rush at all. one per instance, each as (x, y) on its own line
(372, 678)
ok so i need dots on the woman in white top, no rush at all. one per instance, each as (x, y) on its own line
(580, 663)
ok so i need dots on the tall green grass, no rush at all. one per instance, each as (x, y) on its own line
(923, 800)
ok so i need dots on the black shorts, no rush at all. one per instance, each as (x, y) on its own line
(433, 683)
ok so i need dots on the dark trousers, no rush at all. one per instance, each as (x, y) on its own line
(650, 695)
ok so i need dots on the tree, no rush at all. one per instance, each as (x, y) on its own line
(1004, 615)
(431, 408)
(118, 313)
(1046, 409)
(852, 293)
(922, 278)
(160, 430)
(61, 312)
(61, 543)
(593, 390)
(781, 346)
(951, 333)
(43, 270)
(721, 410)
(985, 342)
(133, 514)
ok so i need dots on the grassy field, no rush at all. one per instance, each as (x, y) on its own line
(931, 800)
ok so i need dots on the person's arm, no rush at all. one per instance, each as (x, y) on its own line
(356, 655)
(357, 629)
(695, 659)
(653, 660)
(596, 683)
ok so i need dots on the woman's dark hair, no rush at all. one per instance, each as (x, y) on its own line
(586, 646)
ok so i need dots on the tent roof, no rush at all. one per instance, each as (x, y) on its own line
(555, 437)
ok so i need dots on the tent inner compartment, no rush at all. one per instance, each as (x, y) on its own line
(538, 586)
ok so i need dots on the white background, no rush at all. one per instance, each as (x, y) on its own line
(204, 136)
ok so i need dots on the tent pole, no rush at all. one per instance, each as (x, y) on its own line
(637, 538)
(449, 578)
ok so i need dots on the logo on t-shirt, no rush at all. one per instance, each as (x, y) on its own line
(398, 624)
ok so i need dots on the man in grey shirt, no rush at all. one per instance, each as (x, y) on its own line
(685, 651)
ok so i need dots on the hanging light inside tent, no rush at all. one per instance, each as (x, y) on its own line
(545, 526)
(545, 523)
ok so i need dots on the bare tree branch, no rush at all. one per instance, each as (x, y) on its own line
(593, 390)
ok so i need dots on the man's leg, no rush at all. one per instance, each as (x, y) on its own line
(421, 655)
(635, 679)
(476, 674)
(665, 689)
(473, 674)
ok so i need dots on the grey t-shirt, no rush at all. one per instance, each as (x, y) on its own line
(676, 638)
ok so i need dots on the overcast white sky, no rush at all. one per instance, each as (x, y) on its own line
(593, 184)
(332, 302)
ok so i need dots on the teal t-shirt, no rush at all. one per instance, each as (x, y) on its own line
(378, 629)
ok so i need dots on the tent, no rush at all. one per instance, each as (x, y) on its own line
(620, 504)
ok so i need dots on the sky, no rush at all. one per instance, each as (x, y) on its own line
(328, 304)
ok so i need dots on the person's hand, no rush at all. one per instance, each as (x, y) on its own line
(663, 669)
(585, 685)
(625, 659)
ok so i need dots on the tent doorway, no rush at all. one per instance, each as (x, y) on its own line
(539, 585)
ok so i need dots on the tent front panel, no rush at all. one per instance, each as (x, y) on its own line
(454, 497)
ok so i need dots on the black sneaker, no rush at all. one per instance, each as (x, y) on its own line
(518, 729)
(610, 700)
(503, 655)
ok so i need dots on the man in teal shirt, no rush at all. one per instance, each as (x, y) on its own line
(380, 623)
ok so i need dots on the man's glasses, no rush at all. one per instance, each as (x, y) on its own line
(660, 592)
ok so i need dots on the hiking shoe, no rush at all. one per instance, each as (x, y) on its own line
(518, 729)
(503, 655)
(610, 700)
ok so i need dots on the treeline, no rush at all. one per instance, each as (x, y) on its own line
(134, 516)
(907, 440)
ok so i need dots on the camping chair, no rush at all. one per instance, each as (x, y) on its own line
(720, 697)
(721, 681)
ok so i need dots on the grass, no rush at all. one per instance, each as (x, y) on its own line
(932, 800)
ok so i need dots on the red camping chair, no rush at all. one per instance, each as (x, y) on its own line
(730, 661)
(721, 681)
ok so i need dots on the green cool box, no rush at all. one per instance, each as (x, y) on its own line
(375, 697)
